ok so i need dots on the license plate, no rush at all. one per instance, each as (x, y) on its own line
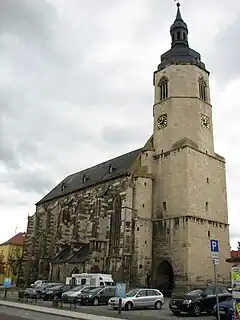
(174, 307)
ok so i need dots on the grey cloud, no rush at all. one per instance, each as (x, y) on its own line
(227, 53)
(29, 19)
(115, 134)
(69, 71)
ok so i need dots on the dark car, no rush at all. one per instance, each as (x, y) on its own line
(198, 300)
(98, 296)
(56, 291)
(225, 310)
(36, 292)
(76, 293)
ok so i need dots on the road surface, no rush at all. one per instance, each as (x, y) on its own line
(7, 313)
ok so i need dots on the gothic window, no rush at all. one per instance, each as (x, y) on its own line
(163, 85)
(202, 89)
(116, 221)
(178, 35)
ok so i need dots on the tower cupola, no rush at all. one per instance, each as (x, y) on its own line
(180, 52)
(179, 30)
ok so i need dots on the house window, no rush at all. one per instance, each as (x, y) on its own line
(145, 183)
(85, 179)
(143, 205)
(163, 85)
(137, 228)
(207, 180)
(179, 35)
(184, 35)
(209, 234)
(202, 89)
(206, 206)
(164, 206)
(140, 266)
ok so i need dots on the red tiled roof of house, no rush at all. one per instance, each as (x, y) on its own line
(235, 253)
(18, 239)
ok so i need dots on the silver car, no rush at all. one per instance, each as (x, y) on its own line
(138, 299)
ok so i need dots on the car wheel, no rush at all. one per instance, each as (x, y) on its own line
(158, 305)
(95, 302)
(128, 306)
(196, 310)
(176, 313)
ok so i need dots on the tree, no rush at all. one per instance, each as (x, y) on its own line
(15, 261)
(2, 263)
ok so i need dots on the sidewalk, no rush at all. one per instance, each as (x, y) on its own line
(57, 312)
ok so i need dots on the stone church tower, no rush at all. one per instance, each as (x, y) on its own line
(147, 216)
(190, 198)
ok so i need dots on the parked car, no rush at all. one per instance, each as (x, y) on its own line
(74, 293)
(55, 291)
(139, 298)
(39, 290)
(97, 296)
(225, 310)
(38, 283)
(198, 300)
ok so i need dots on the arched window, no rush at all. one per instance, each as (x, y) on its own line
(116, 221)
(163, 85)
(202, 88)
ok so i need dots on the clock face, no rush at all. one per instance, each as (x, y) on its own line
(162, 121)
(205, 121)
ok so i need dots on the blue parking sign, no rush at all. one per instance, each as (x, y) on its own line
(121, 290)
(214, 245)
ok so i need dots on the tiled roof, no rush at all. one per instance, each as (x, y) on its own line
(18, 239)
(94, 175)
(235, 253)
(68, 255)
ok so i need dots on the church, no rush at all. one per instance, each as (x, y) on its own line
(147, 216)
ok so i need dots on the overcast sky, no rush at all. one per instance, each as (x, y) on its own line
(76, 89)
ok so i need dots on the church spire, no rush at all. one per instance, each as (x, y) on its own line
(179, 30)
(180, 52)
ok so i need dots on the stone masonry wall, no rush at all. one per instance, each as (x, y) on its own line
(183, 108)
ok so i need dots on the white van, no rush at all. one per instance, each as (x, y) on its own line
(91, 279)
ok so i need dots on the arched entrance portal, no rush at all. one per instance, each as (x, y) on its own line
(165, 278)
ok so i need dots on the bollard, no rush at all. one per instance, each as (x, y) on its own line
(119, 306)
(55, 302)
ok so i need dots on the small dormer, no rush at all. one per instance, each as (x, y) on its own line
(85, 178)
(111, 168)
(63, 186)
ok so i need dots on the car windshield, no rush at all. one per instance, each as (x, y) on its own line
(76, 288)
(56, 287)
(94, 290)
(196, 292)
(132, 293)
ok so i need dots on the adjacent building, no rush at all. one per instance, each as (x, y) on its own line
(11, 257)
(146, 216)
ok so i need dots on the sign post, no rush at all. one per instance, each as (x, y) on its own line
(120, 293)
(215, 259)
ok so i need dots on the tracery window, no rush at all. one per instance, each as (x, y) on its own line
(116, 221)
(202, 88)
(163, 85)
